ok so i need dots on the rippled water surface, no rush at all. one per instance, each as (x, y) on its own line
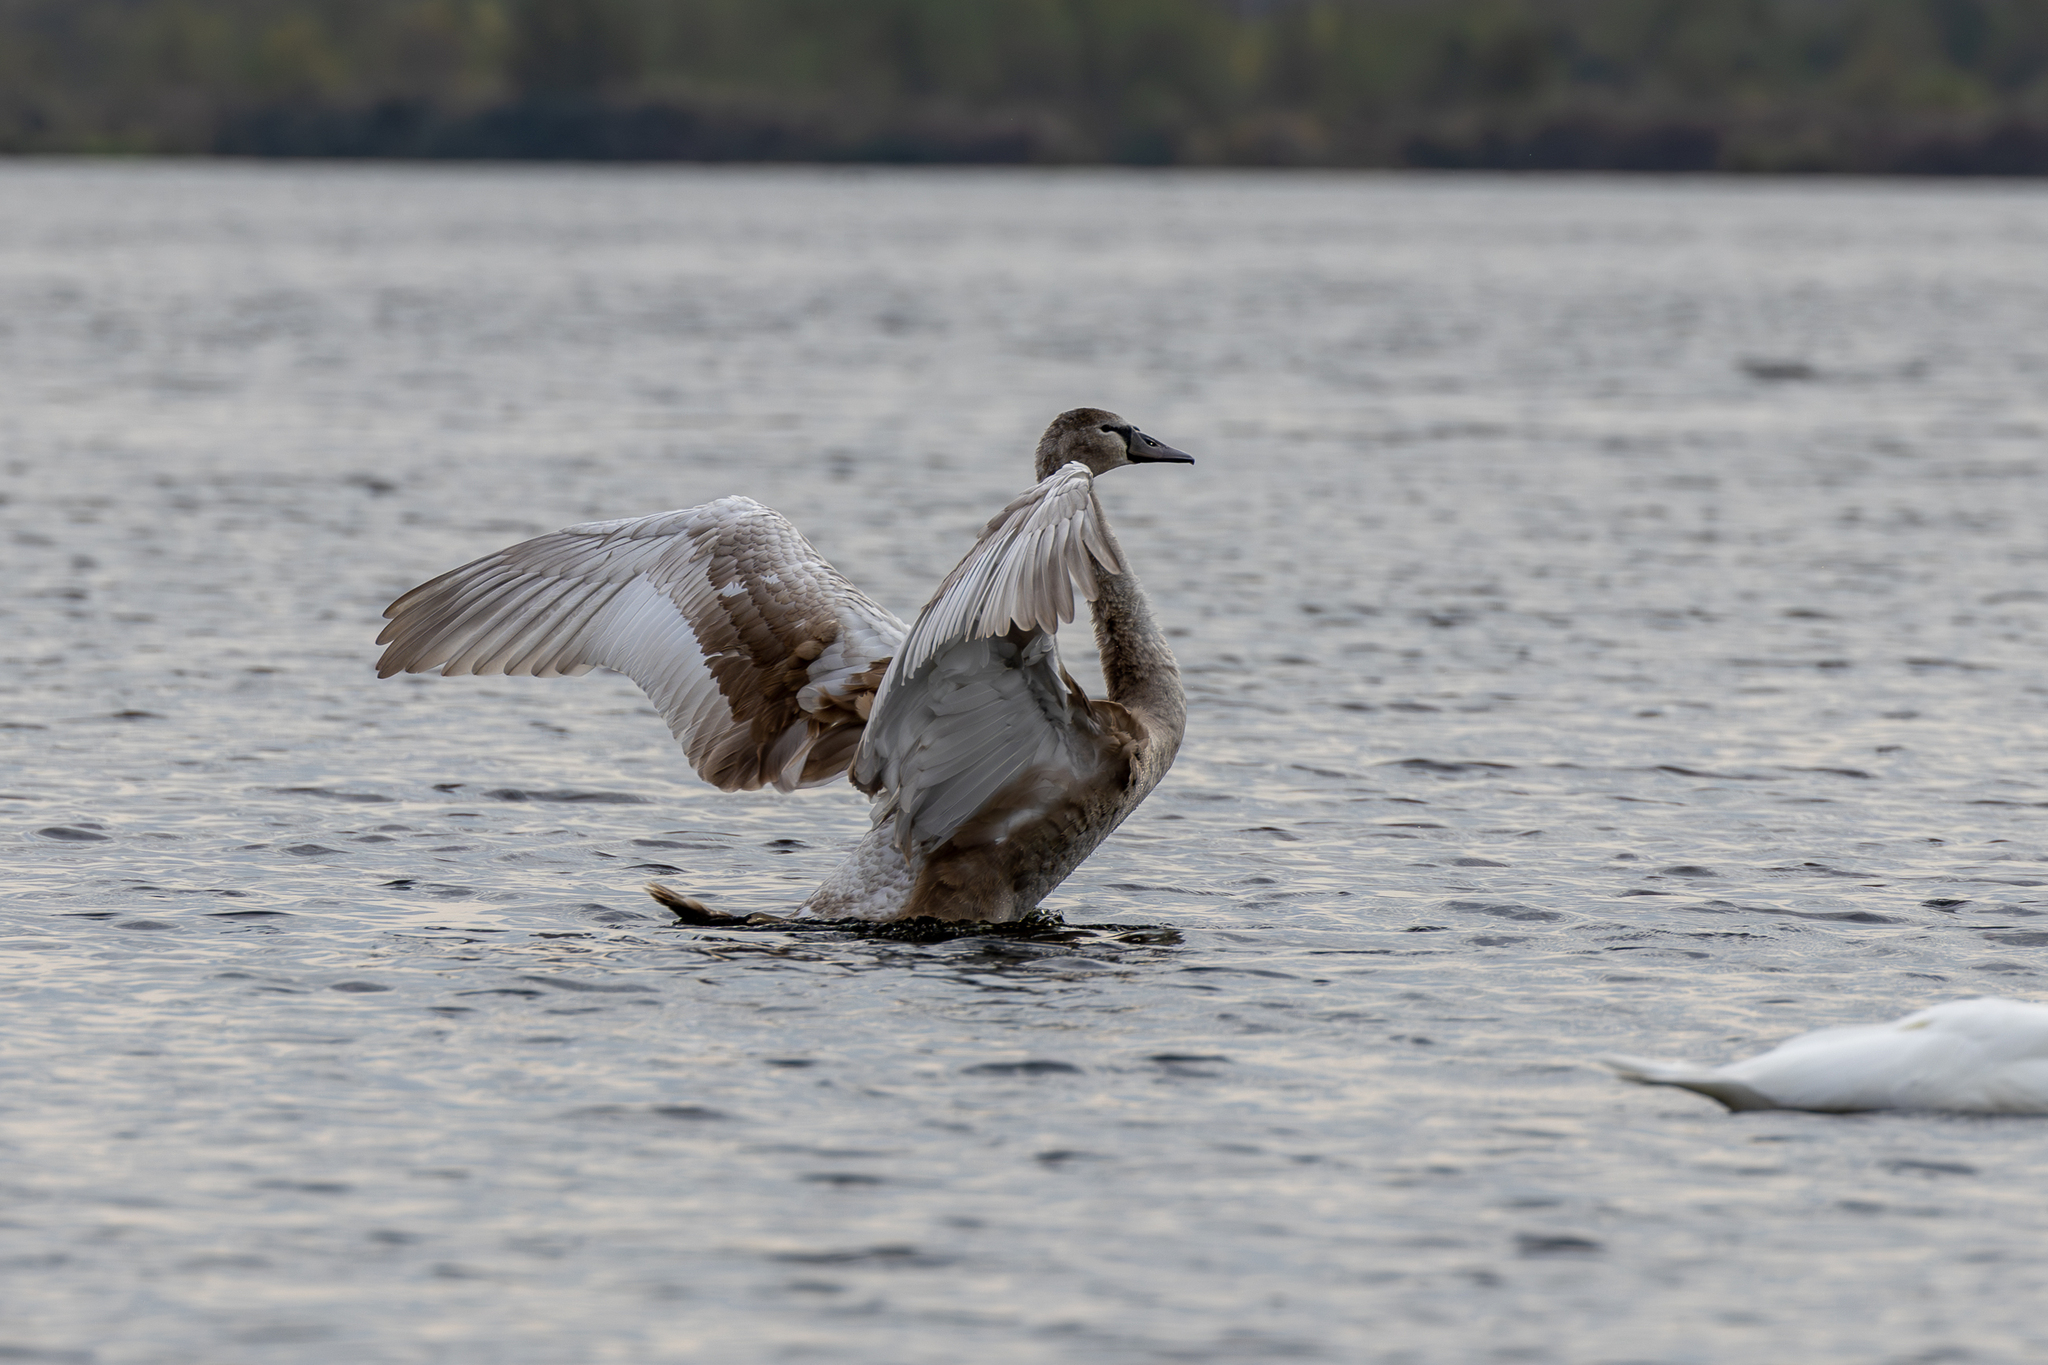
(1613, 616)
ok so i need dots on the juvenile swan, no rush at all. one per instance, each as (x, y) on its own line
(1984, 1056)
(992, 773)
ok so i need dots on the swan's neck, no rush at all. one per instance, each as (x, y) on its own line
(1137, 667)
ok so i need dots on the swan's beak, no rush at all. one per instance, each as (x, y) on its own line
(1145, 450)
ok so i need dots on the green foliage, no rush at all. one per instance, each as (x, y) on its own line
(1774, 82)
(572, 47)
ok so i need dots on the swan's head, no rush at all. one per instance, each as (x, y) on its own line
(1101, 440)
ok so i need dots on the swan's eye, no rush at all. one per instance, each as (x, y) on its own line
(1107, 427)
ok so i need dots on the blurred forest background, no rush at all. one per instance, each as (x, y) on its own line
(1920, 86)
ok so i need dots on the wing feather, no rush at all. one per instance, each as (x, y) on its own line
(975, 698)
(995, 587)
(543, 644)
(759, 655)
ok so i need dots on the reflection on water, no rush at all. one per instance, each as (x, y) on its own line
(1612, 615)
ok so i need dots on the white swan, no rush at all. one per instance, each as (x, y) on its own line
(993, 774)
(1984, 1056)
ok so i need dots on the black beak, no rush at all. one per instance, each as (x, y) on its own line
(1144, 450)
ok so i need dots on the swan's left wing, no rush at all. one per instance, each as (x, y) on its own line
(975, 719)
(760, 656)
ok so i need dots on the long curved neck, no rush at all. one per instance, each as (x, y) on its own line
(1046, 458)
(1137, 666)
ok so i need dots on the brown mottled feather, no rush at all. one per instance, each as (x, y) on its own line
(761, 657)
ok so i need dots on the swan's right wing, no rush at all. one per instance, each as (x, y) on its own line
(1033, 556)
(976, 720)
(761, 657)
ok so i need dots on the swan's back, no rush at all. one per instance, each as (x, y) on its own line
(1987, 1056)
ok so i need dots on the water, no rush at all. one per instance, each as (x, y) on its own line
(1613, 614)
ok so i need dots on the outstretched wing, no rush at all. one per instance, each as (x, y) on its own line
(976, 705)
(761, 657)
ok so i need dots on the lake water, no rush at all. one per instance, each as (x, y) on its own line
(1613, 613)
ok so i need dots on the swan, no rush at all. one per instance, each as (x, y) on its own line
(1982, 1056)
(991, 772)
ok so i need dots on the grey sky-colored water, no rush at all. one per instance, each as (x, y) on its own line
(1612, 612)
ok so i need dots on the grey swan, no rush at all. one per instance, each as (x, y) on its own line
(992, 773)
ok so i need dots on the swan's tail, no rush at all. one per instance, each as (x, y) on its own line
(688, 909)
(1704, 1080)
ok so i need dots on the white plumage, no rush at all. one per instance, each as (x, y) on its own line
(1982, 1056)
(993, 773)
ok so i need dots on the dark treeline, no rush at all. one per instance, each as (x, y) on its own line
(1940, 86)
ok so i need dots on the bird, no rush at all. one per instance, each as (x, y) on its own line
(1980, 1056)
(991, 773)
